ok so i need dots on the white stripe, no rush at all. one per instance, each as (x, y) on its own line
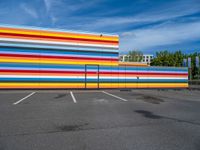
(162, 77)
(59, 43)
(83, 69)
(135, 77)
(149, 71)
(50, 68)
(115, 96)
(4, 43)
(72, 95)
(38, 76)
(51, 54)
(90, 77)
(23, 98)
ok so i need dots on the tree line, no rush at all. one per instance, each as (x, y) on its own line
(170, 59)
(175, 59)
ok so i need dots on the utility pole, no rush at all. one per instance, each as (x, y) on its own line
(190, 68)
(197, 65)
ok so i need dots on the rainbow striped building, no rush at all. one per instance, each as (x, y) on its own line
(43, 58)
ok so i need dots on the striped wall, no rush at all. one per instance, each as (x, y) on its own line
(42, 58)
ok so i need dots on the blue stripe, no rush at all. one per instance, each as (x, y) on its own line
(21, 65)
(101, 68)
(135, 69)
(144, 80)
(39, 51)
(94, 80)
(157, 69)
(39, 46)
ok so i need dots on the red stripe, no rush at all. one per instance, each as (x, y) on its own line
(59, 38)
(81, 72)
(57, 57)
(156, 73)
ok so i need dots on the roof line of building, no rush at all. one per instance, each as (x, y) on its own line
(56, 29)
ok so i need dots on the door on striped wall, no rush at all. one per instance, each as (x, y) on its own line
(91, 76)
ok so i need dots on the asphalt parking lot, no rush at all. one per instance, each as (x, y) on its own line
(100, 120)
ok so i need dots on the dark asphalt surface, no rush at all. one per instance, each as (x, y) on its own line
(148, 120)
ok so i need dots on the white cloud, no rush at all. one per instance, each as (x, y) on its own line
(48, 4)
(32, 12)
(168, 12)
(166, 34)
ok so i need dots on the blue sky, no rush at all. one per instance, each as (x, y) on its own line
(146, 25)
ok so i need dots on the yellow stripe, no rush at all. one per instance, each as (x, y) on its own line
(92, 85)
(142, 85)
(58, 34)
(57, 62)
(42, 85)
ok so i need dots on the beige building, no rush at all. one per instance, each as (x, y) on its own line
(146, 58)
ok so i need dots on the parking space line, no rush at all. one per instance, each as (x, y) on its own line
(72, 95)
(115, 96)
(19, 101)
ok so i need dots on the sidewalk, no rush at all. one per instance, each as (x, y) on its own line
(194, 87)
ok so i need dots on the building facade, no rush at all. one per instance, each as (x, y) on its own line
(35, 58)
(146, 58)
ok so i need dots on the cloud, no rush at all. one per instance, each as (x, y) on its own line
(32, 12)
(166, 34)
(56, 10)
(169, 12)
(48, 4)
(141, 24)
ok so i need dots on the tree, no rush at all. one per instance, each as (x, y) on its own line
(135, 56)
(166, 58)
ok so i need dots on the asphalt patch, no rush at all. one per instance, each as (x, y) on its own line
(148, 98)
(67, 128)
(60, 96)
(148, 114)
(151, 99)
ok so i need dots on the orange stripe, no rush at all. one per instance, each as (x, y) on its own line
(54, 59)
(74, 74)
(59, 34)
(56, 40)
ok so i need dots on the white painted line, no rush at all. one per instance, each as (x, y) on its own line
(72, 95)
(115, 96)
(23, 98)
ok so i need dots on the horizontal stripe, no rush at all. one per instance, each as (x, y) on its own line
(68, 54)
(55, 47)
(37, 73)
(102, 85)
(40, 56)
(152, 68)
(54, 61)
(83, 77)
(81, 72)
(88, 80)
(57, 33)
(42, 85)
(57, 43)
(59, 53)
(63, 41)
(67, 39)
(113, 69)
